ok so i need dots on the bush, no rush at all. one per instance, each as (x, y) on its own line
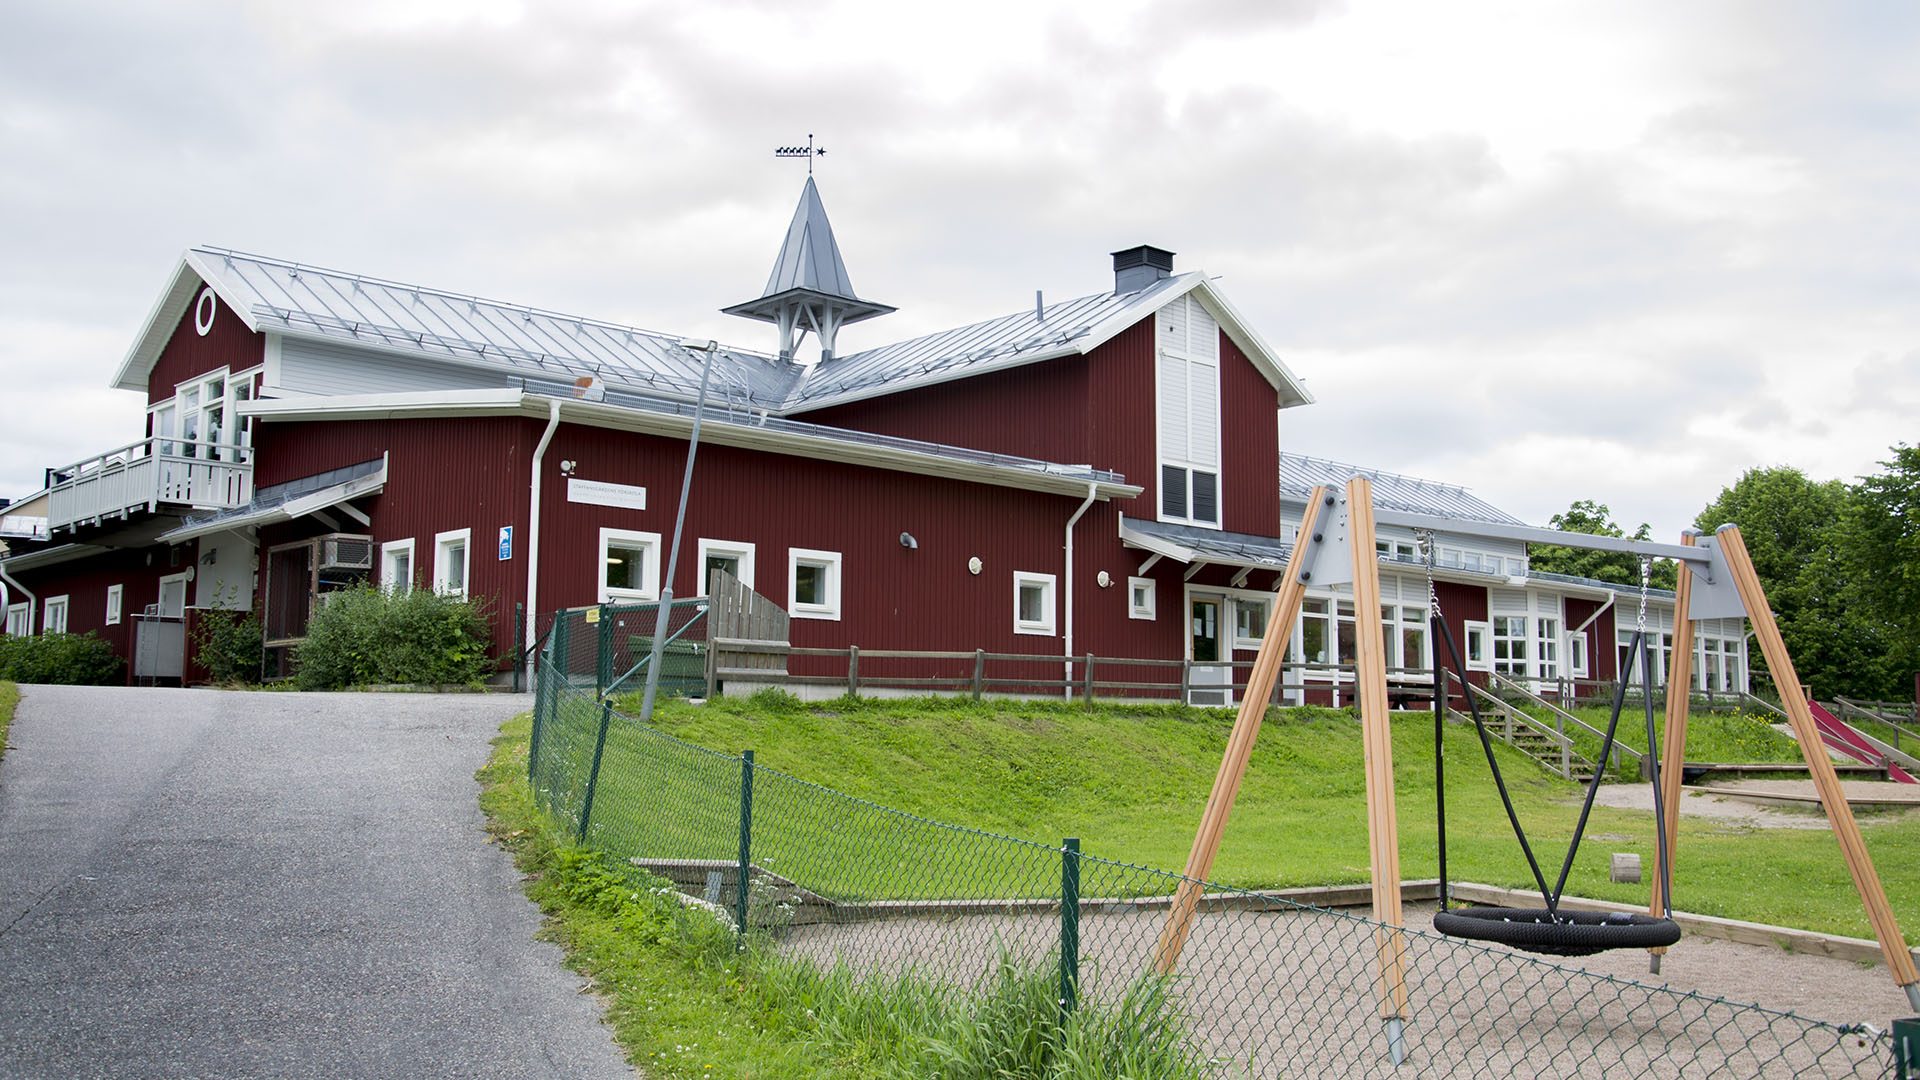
(67, 659)
(228, 645)
(365, 636)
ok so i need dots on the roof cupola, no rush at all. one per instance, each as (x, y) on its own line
(1135, 268)
(809, 288)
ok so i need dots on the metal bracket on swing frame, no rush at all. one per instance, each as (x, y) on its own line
(1328, 557)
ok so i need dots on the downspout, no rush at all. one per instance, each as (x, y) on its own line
(1067, 676)
(533, 536)
(5, 602)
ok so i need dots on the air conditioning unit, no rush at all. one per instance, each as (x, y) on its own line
(342, 552)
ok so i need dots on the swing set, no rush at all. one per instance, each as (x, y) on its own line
(1336, 546)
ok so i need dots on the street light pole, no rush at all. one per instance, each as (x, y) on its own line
(679, 520)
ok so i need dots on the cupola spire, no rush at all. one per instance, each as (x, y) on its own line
(809, 288)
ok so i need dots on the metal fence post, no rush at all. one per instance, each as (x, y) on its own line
(562, 654)
(979, 671)
(519, 639)
(853, 671)
(1069, 926)
(603, 658)
(593, 774)
(746, 846)
(541, 703)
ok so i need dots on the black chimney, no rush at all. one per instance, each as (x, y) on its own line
(1138, 267)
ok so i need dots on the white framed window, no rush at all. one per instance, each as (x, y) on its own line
(1141, 598)
(1033, 603)
(397, 566)
(451, 560)
(1187, 406)
(1479, 646)
(1398, 550)
(1510, 645)
(53, 615)
(733, 556)
(1577, 655)
(1250, 621)
(813, 584)
(629, 565)
(1404, 630)
(1547, 646)
(19, 620)
(116, 601)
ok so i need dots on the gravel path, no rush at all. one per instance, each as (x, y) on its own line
(203, 883)
(1707, 805)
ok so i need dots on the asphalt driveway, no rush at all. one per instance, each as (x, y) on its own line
(198, 883)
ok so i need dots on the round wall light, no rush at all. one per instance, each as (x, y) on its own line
(973, 565)
(1104, 579)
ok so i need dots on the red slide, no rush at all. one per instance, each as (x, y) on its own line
(1841, 736)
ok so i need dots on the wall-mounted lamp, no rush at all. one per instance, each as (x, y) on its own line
(1103, 579)
(907, 541)
(567, 467)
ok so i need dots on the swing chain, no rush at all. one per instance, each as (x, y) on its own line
(1427, 549)
(1646, 579)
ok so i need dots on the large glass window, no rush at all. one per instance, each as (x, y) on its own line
(1249, 621)
(1316, 631)
(1547, 641)
(1510, 644)
(1404, 629)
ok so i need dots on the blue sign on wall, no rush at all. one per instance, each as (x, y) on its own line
(506, 542)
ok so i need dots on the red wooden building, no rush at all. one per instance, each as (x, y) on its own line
(1101, 475)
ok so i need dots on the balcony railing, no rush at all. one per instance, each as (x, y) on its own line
(148, 475)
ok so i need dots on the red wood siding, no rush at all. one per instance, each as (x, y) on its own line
(1120, 415)
(1459, 605)
(1249, 445)
(227, 344)
(441, 475)
(1035, 411)
(85, 585)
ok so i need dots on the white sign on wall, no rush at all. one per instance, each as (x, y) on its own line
(601, 493)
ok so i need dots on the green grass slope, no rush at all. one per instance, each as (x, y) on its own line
(1131, 783)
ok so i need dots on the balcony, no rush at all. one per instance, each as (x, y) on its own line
(147, 476)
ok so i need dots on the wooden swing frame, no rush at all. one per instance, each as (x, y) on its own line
(1316, 550)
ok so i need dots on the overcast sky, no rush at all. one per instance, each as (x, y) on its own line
(1616, 251)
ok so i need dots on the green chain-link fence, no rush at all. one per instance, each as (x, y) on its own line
(606, 647)
(1264, 987)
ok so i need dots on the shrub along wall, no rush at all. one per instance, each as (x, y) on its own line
(365, 637)
(71, 659)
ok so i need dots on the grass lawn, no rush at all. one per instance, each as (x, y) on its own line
(1131, 783)
(9, 698)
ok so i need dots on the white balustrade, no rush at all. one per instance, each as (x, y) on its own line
(150, 474)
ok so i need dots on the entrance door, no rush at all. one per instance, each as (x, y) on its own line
(1212, 681)
(173, 597)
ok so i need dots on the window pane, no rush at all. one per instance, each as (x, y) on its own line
(1173, 490)
(1206, 503)
(809, 583)
(1413, 645)
(1033, 603)
(457, 565)
(729, 563)
(1313, 640)
(626, 566)
(1250, 618)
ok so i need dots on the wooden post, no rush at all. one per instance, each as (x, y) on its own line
(853, 671)
(1866, 880)
(1370, 690)
(1246, 728)
(1673, 744)
(979, 671)
(1089, 679)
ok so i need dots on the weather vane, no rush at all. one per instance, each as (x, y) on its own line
(808, 151)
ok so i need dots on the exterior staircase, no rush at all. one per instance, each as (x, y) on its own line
(1530, 735)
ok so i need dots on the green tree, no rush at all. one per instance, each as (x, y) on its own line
(1796, 530)
(1881, 552)
(1618, 567)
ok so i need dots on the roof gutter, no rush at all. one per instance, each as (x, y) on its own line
(1093, 492)
(533, 537)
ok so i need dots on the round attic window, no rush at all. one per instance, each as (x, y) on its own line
(203, 310)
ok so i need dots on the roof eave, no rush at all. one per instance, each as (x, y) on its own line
(191, 272)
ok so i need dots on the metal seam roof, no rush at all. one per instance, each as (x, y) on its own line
(1300, 474)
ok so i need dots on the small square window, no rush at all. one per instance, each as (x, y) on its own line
(53, 615)
(450, 551)
(1033, 606)
(396, 566)
(1140, 598)
(1249, 622)
(19, 620)
(1479, 646)
(734, 557)
(629, 565)
(116, 602)
(813, 584)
